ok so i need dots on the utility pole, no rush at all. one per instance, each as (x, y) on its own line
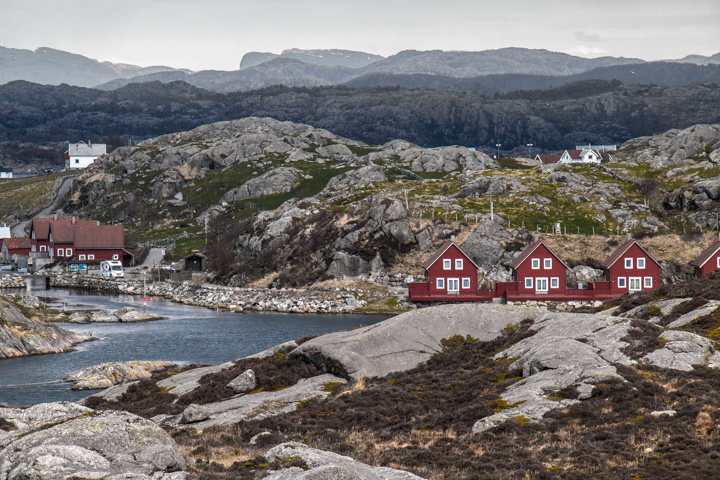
(529, 145)
(498, 145)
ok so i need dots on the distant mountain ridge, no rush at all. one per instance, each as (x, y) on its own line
(325, 57)
(54, 67)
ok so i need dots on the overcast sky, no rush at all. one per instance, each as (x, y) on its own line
(215, 34)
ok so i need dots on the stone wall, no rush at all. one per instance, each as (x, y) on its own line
(292, 300)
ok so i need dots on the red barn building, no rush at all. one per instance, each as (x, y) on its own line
(631, 268)
(537, 271)
(451, 276)
(708, 261)
(14, 246)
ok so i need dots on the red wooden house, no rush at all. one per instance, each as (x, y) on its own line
(14, 246)
(631, 268)
(451, 276)
(708, 261)
(79, 240)
(538, 273)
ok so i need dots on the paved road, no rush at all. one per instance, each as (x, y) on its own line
(19, 230)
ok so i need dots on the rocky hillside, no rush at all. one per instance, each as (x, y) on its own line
(448, 392)
(284, 204)
(23, 333)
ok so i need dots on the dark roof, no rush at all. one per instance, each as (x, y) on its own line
(17, 243)
(195, 254)
(621, 249)
(549, 158)
(41, 225)
(440, 251)
(529, 250)
(706, 255)
(99, 236)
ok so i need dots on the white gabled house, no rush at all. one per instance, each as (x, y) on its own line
(81, 154)
(586, 155)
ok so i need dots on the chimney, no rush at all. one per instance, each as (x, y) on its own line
(98, 223)
(628, 236)
(536, 236)
(55, 217)
(452, 238)
(73, 220)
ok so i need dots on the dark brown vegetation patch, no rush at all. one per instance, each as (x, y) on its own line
(147, 398)
(421, 421)
(7, 425)
(642, 337)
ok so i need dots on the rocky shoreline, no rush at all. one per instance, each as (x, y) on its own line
(292, 300)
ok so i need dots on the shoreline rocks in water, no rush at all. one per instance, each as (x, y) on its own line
(108, 374)
(125, 315)
(21, 335)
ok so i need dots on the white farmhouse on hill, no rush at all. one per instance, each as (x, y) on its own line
(6, 174)
(80, 155)
(586, 155)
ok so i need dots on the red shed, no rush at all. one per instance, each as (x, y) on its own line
(631, 268)
(14, 246)
(538, 271)
(708, 261)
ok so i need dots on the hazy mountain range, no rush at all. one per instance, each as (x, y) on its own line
(480, 72)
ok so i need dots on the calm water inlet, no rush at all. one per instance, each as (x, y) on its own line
(188, 335)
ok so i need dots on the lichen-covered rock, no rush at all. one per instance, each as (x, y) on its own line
(113, 373)
(278, 180)
(683, 351)
(243, 383)
(20, 335)
(89, 444)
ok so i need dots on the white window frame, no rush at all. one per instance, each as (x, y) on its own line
(640, 262)
(91, 256)
(466, 283)
(634, 281)
(547, 263)
(555, 282)
(447, 264)
(628, 263)
(718, 261)
(60, 252)
(535, 265)
(458, 264)
(453, 285)
(43, 248)
(81, 256)
(68, 252)
(541, 285)
(440, 283)
(116, 256)
(647, 282)
(529, 282)
(622, 282)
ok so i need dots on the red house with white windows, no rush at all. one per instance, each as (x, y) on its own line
(451, 276)
(79, 240)
(708, 261)
(538, 273)
(631, 268)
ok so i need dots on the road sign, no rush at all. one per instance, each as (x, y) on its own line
(82, 266)
(73, 267)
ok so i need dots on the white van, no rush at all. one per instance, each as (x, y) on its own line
(112, 269)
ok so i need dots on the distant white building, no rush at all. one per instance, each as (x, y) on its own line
(5, 174)
(4, 231)
(80, 155)
(584, 155)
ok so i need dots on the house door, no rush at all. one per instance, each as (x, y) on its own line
(453, 285)
(541, 285)
(634, 284)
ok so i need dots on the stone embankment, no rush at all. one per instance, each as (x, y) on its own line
(12, 281)
(289, 300)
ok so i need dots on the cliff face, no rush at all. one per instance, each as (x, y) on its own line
(23, 335)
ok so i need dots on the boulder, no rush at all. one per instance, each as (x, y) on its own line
(355, 179)
(243, 383)
(89, 444)
(327, 465)
(400, 232)
(485, 251)
(403, 342)
(345, 265)
(194, 413)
